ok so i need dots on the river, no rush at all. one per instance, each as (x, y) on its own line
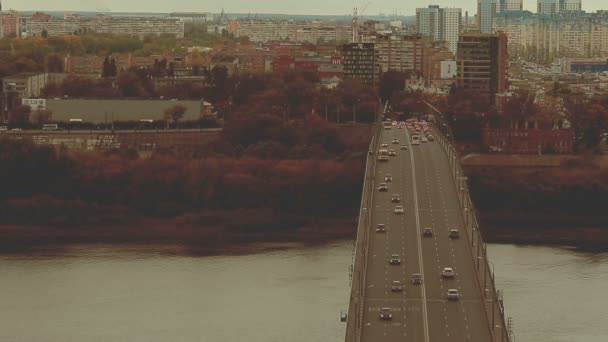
(271, 293)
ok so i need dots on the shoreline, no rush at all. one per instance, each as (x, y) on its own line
(496, 228)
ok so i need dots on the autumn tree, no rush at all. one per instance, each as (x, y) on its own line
(20, 115)
(175, 113)
(391, 82)
(53, 63)
(41, 116)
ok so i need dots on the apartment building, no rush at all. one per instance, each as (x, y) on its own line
(263, 30)
(137, 26)
(27, 85)
(359, 60)
(397, 52)
(482, 63)
(443, 24)
(510, 5)
(546, 37)
(9, 24)
(550, 7)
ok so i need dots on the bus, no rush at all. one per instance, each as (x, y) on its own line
(50, 127)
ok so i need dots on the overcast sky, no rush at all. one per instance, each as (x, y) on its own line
(406, 7)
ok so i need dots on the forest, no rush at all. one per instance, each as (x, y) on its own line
(260, 175)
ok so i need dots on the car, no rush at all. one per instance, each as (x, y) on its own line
(454, 234)
(382, 187)
(385, 314)
(447, 272)
(395, 141)
(388, 178)
(424, 139)
(396, 286)
(395, 259)
(453, 294)
(382, 158)
(398, 209)
(403, 147)
(430, 137)
(16, 130)
(415, 142)
(384, 145)
(392, 153)
(396, 198)
(416, 279)
(399, 127)
(381, 228)
(3, 128)
(427, 231)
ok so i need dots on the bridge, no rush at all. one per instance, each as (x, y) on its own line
(433, 192)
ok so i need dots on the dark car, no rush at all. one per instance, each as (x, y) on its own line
(416, 279)
(395, 198)
(428, 232)
(454, 234)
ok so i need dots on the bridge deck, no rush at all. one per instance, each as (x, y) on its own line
(423, 178)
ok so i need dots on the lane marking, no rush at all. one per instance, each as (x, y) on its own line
(425, 318)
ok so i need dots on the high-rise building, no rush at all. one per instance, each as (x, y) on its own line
(482, 63)
(511, 5)
(558, 6)
(486, 10)
(442, 24)
(359, 60)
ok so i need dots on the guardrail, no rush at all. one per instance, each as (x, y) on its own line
(485, 278)
(359, 260)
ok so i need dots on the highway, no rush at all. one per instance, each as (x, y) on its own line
(421, 313)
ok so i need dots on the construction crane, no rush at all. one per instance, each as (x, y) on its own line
(356, 20)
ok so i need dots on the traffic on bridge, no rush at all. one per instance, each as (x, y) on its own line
(416, 275)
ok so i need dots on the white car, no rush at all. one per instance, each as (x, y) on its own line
(388, 178)
(399, 209)
(395, 259)
(424, 139)
(448, 272)
(384, 145)
(395, 141)
(392, 153)
(396, 286)
(453, 294)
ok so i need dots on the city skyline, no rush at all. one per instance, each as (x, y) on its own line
(263, 6)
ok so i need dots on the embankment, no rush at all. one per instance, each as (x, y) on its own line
(536, 200)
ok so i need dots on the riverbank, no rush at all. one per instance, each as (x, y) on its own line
(149, 230)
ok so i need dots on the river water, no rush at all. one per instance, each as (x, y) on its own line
(273, 293)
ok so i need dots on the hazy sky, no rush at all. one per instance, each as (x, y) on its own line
(406, 7)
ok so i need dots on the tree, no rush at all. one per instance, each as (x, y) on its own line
(20, 115)
(53, 63)
(129, 85)
(42, 116)
(390, 82)
(174, 114)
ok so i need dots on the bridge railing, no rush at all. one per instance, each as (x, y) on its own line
(359, 260)
(493, 304)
